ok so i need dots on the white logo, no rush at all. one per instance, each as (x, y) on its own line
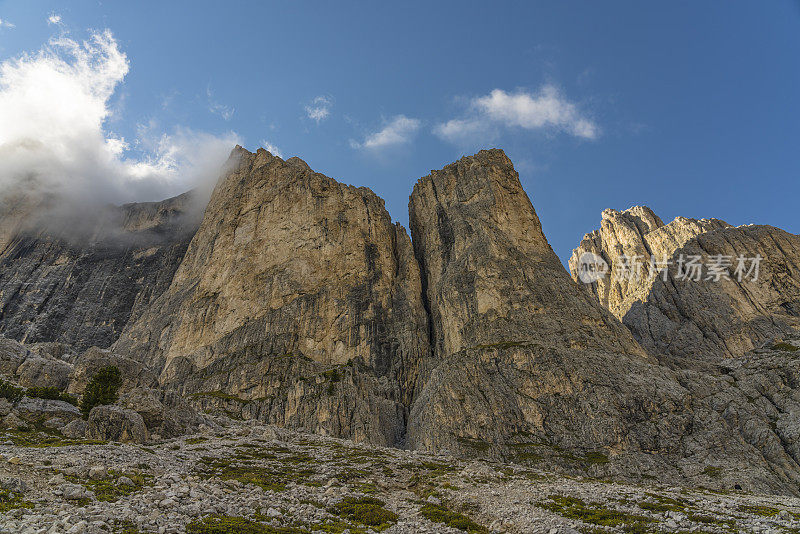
(591, 267)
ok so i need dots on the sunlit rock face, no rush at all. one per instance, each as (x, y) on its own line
(297, 291)
(529, 364)
(701, 315)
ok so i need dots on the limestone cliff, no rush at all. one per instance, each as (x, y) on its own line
(76, 277)
(298, 302)
(530, 366)
(679, 316)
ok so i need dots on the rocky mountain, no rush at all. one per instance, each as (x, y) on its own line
(297, 302)
(77, 276)
(696, 314)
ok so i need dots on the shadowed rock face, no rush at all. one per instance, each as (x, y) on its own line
(702, 319)
(77, 278)
(299, 294)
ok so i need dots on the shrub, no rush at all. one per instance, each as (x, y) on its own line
(365, 510)
(51, 393)
(101, 389)
(10, 391)
(440, 514)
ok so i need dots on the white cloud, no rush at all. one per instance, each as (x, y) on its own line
(54, 18)
(398, 131)
(6, 24)
(546, 110)
(465, 131)
(272, 149)
(319, 109)
(226, 112)
(67, 150)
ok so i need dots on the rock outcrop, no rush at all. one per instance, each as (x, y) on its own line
(677, 312)
(114, 423)
(77, 278)
(529, 365)
(298, 302)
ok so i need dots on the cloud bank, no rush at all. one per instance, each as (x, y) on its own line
(399, 130)
(488, 115)
(54, 110)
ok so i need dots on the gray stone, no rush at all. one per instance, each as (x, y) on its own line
(44, 372)
(32, 409)
(114, 423)
(75, 429)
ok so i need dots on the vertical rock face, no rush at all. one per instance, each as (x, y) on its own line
(679, 316)
(297, 297)
(636, 233)
(491, 277)
(515, 338)
(77, 278)
(527, 364)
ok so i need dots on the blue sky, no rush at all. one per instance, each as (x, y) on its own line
(688, 107)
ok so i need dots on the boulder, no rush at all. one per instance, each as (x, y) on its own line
(75, 492)
(147, 403)
(12, 422)
(94, 359)
(38, 371)
(114, 423)
(34, 410)
(75, 429)
(12, 354)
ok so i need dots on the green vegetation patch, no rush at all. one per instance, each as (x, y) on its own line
(661, 503)
(786, 347)
(593, 513)
(440, 514)
(220, 524)
(711, 520)
(10, 391)
(268, 468)
(40, 436)
(765, 511)
(51, 393)
(477, 445)
(107, 489)
(366, 511)
(713, 472)
(10, 501)
(502, 345)
(124, 526)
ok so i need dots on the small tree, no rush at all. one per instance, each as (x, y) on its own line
(101, 389)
